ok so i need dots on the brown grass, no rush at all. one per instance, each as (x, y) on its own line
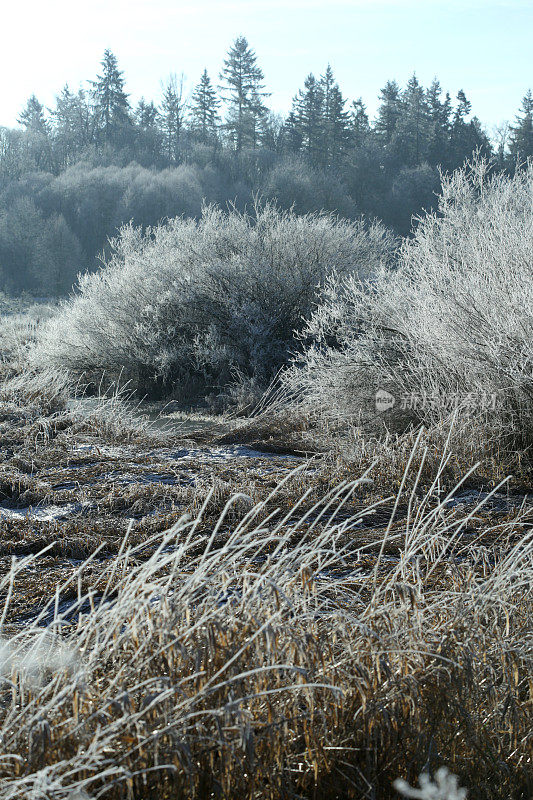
(283, 660)
(303, 633)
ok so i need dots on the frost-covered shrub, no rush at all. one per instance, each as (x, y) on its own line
(190, 302)
(444, 787)
(452, 327)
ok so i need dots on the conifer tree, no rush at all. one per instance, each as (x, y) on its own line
(39, 151)
(73, 123)
(204, 110)
(389, 111)
(465, 137)
(244, 92)
(148, 134)
(32, 117)
(293, 133)
(360, 122)
(308, 110)
(110, 100)
(439, 113)
(411, 132)
(173, 108)
(64, 118)
(464, 107)
(337, 128)
(146, 114)
(327, 82)
(521, 140)
(335, 122)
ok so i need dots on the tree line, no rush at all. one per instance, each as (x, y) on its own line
(71, 174)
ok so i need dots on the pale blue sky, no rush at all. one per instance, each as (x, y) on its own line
(483, 46)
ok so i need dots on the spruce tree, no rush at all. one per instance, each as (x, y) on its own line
(521, 140)
(327, 82)
(32, 117)
(244, 92)
(411, 132)
(148, 134)
(173, 108)
(359, 122)
(39, 150)
(110, 100)
(73, 123)
(335, 123)
(439, 113)
(308, 110)
(464, 107)
(146, 114)
(337, 128)
(293, 134)
(64, 121)
(389, 111)
(204, 110)
(466, 136)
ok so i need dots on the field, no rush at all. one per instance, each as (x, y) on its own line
(292, 600)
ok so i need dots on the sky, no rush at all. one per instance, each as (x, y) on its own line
(482, 46)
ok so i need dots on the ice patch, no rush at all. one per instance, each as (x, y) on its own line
(226, 453)
(496, 501)
(42, 513)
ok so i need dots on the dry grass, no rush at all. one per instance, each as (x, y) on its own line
(280, 659)
(271, 628)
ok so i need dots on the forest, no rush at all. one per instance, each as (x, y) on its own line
(73, 174)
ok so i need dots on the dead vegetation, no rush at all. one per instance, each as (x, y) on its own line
(187, 624)
(280, 656)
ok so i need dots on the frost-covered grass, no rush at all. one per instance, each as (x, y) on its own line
(189, 305)
(20, 322)
(260, 632)
(278, 657)
(451, 330)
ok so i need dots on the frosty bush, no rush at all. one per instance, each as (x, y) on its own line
(192, 302)
(445, 787)
(451, 328)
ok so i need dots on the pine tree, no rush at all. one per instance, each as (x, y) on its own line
(204, 110)
(173, 108)
(327, 82)
(148, 135)
(146, 114)
(439, 113)
(337, 128)
(308, 110)
(336, 120)
(110, 100)
(521, 141)
(65, 132)
(466, 137)
(244, 92)
(39, 151)
(360, 123)
(389, 111)
(411, 132)
(73, 121)
(464, 107)
(293, 134)
(32, 117)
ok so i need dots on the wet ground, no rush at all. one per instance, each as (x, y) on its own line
(75, 492)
